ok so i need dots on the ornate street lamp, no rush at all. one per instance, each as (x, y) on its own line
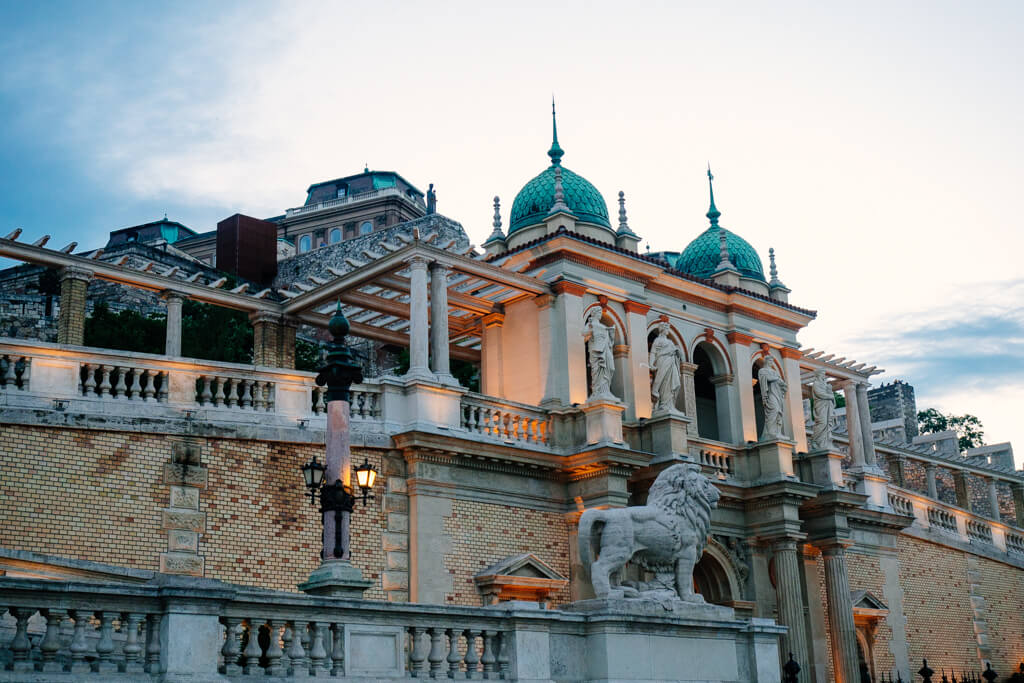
(313, 475)
(366, 477)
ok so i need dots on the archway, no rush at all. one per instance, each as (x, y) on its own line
(758, 402)
(714, 577)
(710, 389)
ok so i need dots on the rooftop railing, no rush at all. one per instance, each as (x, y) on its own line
(352, 199)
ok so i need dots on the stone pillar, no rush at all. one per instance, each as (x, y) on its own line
(1018, 502)
(286, 346)
(963, 496)
(745, 421)
(929, 475)
(790, 599)
(266, 338)
(567, 362)
(795, 396)
(842, 631)
(993, 497)
(74, 283)
(174, 301)
(853, 426)
(491, 373)
(439, 322)
(418, 327)
(689, 396)
(181, 519)
(897, 465)
(729, 429)
(864, 411)
(636, 383)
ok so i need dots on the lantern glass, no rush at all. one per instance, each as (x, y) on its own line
(313, 474)
(366, 475)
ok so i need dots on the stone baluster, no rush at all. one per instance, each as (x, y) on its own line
(258, 401)
(121, 386)
(152, 644)
(89, 386)
(165, 387)
(104, 388)
(231, 649)
(286, 645)
(20, 646)
(274, 650)
(454, 659)
(472, 656)
(246, 398)
(205, 395)
(270, 397)
(489, 659)
(136, 387)
(132, 647)
(338, 650)
(504, 657)
(148, 386)
(50, 645)
(10, 374)
(436, 658)
(417, 653)
(252, 652)
(317, 652)
(105, 646)
(233, 393)
(358, 405)
(298, 662)
(79, 643)
(218, 392)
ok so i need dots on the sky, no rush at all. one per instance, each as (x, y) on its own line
(875, 145)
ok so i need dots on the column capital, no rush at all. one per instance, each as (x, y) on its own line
(169, 295)
(75, 273)
(568, 287)
(264, 317)
(543, 301)
(620, 350)
(787, 352)
(739, 338)
(436, 266)
(417, 262)
(724, 378)
(289, 321)
(635, 307)
(493, 320)
(688, 368)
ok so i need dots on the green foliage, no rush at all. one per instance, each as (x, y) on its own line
(466, 373)
(307, 356)
(125, 330)
(840, 399)
(213, 333)
(969, 430)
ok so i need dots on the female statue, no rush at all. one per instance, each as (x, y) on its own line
(773, 393)
(665, 359)
(602, 360)
(824, 411)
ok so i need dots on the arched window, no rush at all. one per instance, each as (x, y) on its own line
(366, 228)
(758, 399)
(711, 390)
(335, 235)
(305, 243)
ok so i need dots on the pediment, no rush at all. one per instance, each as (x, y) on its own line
(867, 600)
(525, 565)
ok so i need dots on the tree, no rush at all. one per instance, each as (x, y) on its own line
(969, 430)
(125, 330)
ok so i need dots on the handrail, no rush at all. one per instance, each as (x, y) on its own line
(350, 199)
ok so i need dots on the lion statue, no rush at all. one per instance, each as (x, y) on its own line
(666, 536)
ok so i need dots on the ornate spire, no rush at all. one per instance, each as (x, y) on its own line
(497, 234)
(723, 250)
(559, 204)
(713, 212)
(623, 224)
(772, 270)
(555, 152)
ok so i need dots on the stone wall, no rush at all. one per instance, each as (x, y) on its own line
(866, 574)
(894, 401)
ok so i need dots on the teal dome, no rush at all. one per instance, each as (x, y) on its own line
(702, 255)
(533, 203)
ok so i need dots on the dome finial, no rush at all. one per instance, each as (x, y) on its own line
(555, 152)
(713, 212)
(497, 233)
(559, 204)
(773, 270)
(723, 250)
(623, 224)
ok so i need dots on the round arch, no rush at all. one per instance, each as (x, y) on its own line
(608, 315)
(715, 350)
(714, 576)
(673, 333)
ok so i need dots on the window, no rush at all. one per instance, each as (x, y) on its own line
(305, 243)
(342, 192)
(366, 228)
(335, 235)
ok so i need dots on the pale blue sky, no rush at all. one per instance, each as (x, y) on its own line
(876, 146)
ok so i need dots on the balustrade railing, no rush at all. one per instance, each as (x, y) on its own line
(503, 420)
(979, 531)
(1015, 543)
(225, 391)
(901, 504)
(364, 401)
(942, 519)
(126, 382)
(15, 370)
(719, 461)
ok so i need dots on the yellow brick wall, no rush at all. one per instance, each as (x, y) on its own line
(866, 574)
(482, 534)
(1002, 587)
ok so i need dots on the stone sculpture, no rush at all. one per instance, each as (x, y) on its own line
(824, 412)
(602, 360)
(665, 359)
(666, 536)
(773, 394)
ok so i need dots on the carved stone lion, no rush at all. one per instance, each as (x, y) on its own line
(666, 536)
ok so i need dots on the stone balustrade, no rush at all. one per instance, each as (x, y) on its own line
(978, 531)
(131, 382)
(942, 519)
(226, 391)
(364, 401)
(504, 420)
(901, 504)
(1015, 543)
(15, 371)
(714, 459)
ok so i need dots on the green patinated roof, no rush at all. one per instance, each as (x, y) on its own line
(534, 201)
(701, 256)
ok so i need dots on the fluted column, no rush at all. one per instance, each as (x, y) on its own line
(418, 325)
(689, 397)
(864, 412)
(174, 301)
(842, 631)
(853, 426)
(790, 601)
(929, 475)
(439, 320)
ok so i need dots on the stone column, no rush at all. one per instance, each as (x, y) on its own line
(853, 426)
(864, 411)
(993, 497)
(790, 599)
(637, 380)
(929, 475)
(266, 338)
(174, 301)
(727, 406)
(491, 373)
(842, 631)
(963, 496)
(897, 464)
(689, 396)
(1018, 502)
(286, 346)
(745, 421)
(795, 397)
(439, 322)
(418, 327)
(567, 362)
(74, 283)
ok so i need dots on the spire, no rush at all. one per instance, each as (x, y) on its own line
(772, 270)
(497, 234)
(623, 224)
(559, 204)
(723, 251)
(713, 212)
(555, 152)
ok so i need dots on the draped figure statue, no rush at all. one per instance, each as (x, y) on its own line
(773, 394)
(665, 358)
(824, 411)
(602, 360)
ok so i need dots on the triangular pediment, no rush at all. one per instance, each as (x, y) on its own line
(866, 600)
(526, 565)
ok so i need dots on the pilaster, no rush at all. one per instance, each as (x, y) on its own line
(1018, 502)
(745, 423)
(789, 597)
(492, 381)
(689, 396)
(185, 475)
(637, 382)
(794, 396)
(567, 364)
(287, 344)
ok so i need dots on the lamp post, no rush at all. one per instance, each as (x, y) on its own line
(336, 576)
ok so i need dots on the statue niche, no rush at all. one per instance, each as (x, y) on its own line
(600, 339)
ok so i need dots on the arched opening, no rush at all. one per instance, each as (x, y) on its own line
(680, 402)
(619, 352)
(711, 581)
(863, 660)
(711, 382)
(758, 402)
